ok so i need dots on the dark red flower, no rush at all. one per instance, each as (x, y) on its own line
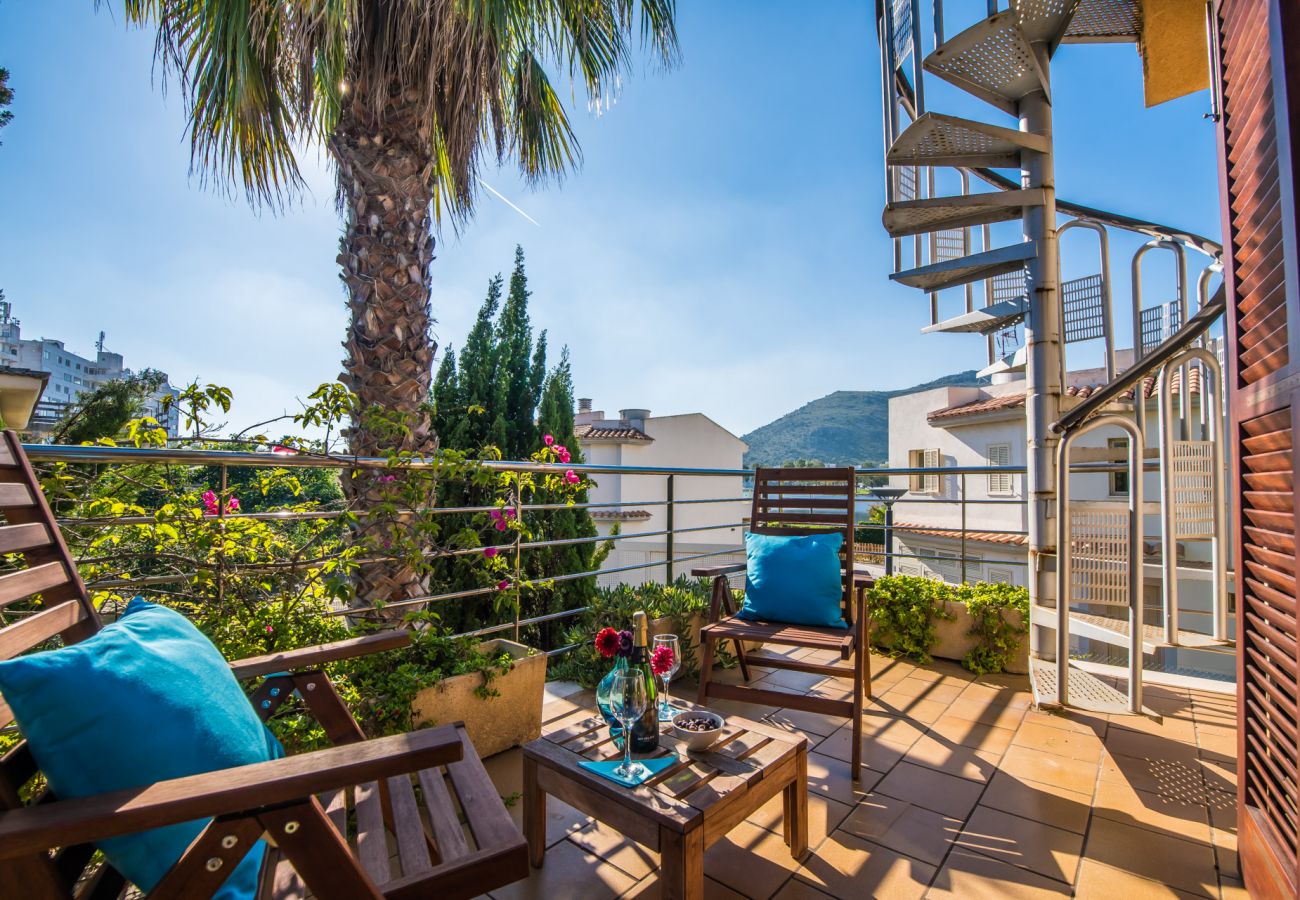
(661, 661)
(607, 642)
(625, 643)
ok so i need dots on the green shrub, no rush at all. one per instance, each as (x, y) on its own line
(999, 639)
(904, 610)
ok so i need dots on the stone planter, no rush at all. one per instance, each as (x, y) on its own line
(511, 718)
(952, 640)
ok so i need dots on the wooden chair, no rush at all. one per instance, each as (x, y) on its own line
(328, 814)
(796, 502)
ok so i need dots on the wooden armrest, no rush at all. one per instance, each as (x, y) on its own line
(304, 657)
(63, 823)
(715, 571)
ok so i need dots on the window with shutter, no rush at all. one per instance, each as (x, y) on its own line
(999, 455)
(931, 460)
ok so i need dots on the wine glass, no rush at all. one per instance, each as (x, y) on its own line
(666, 709)
(628, 699)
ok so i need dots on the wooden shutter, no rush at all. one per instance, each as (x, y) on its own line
(932, 460)
(999, 455)
(1257, 58)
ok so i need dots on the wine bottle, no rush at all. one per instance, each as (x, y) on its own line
(645, 730)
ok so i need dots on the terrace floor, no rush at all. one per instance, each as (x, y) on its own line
(968, 793)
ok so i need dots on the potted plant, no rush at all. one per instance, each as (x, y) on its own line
(495, 687)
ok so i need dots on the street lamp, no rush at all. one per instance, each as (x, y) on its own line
(888, 496)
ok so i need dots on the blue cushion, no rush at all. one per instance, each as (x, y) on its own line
(794, 579)
(146, 699)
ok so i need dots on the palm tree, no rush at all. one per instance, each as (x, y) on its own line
(409, 97)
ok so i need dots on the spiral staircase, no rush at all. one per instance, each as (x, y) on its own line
(1011, 295)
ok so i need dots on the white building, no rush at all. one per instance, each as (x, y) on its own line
(691, 440)
(985, 426)
(71, 374)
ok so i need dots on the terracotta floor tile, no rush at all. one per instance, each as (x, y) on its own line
(933, 790)
(925, 690)
(1169, 727)
(507, 774)
(795, 889)
(1047, 803)
(997, 712)
(974, 876)
(789, 680)
(830, 777)
(1102, 882)
(753, 711)
(1218, 744)
(750, 859)
(824, 816)
(1082, 745)
(1048, 851)
(1048, 768)
(899, 825)
(567, 871)
(1122, 742)
(926, 673)
(601, 840)
(1232, 888)
(847, 866)
(972, 734)
(944, 756)
(1068, 720)
(883, 726)
(648, 888)
(1121, 802)
(1219, 775)
(1165, 777)
(813, 725)
(876, 754)
(924, 712)
(1161, 858)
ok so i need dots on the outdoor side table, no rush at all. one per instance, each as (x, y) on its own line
(681, 811)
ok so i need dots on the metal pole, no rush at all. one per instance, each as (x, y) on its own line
(221, 531)
(1168, 537)
(961, 481)
(1043, 349)
(669, 507)
(889, 539)
(519, 597)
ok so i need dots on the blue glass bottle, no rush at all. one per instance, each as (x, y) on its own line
(602, 697)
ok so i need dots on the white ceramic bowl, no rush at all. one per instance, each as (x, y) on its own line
(698, 740)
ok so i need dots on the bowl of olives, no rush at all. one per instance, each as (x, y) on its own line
(697, 728)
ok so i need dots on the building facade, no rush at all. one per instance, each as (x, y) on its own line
(71, 374)
(637, 502)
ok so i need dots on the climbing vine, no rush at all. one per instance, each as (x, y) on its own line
(999, 637)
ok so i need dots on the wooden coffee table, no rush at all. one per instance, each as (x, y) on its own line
(681, 811)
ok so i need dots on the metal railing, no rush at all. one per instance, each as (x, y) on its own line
(679, 538)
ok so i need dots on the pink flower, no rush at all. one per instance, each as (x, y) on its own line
(384, 479)
(502, 585)
(496, 514)
(233, 505)
(661, 661)
(501, 525)
(269, 629)
(563, 453)
(571, 477)
(210, 503)
(548, 440)
(489, 552)
(283, 451)
(509, 513)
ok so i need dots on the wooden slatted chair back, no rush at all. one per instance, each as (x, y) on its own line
(809, 501)
(42, 597)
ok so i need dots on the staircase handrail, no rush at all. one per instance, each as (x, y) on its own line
(1192, 329)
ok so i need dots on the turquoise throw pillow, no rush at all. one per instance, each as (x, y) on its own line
(794, 579)
(146, 699)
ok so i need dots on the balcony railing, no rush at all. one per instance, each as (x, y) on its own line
(680, 543)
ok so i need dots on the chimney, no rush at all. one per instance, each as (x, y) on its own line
(634, 418)
(584, 404)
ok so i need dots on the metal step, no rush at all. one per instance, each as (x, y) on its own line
(1104, 22)
(981, 321)
(960, 211)
(1115, 631)
(936, 139)
(1045, 20)
(1084, 691)
(964, 269)
(991, 60)
(1014, 362)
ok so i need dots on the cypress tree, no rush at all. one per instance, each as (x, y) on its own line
(448, 408)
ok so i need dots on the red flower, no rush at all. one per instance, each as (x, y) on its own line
(502, 585)
(607, 642)
(661, 661)
(489, 552)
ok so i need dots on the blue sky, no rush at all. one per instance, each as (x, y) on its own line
(719, 251)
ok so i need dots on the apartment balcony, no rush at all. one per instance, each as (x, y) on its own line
(968, 788)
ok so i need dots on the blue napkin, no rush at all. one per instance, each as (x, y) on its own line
(649, 768)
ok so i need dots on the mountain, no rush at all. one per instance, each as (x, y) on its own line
(843, 428)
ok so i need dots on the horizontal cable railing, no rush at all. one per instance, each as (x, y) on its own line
(675, 553)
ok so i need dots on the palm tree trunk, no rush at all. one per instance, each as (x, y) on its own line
(385, 188)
